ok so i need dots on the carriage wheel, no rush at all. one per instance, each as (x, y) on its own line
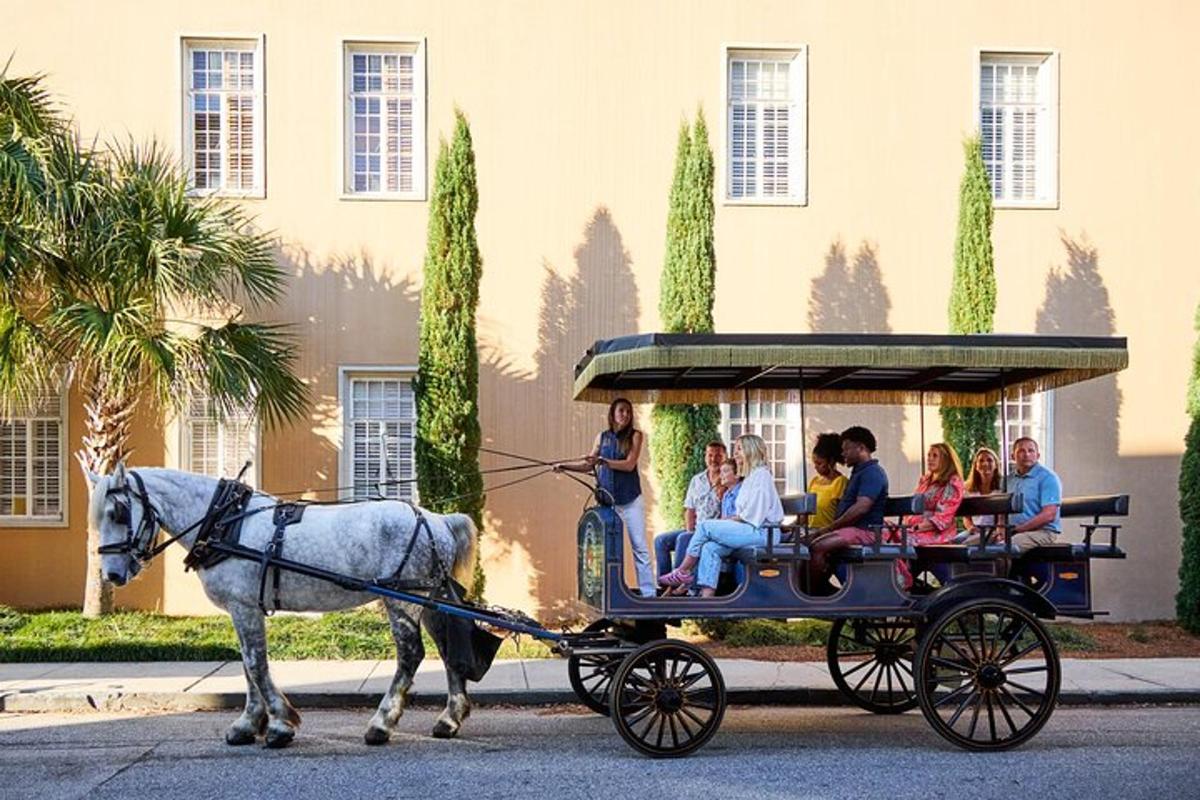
(870, 660)
(667, 698)
(591, 676)
(988, 675)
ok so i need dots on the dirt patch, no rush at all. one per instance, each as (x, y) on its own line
(1090, 640)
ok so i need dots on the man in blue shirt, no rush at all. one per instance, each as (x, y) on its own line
(1039, 521)
(859, 512)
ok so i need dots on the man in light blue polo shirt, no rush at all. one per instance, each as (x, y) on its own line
(1039, 521)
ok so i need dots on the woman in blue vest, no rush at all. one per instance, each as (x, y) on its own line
(615, 456)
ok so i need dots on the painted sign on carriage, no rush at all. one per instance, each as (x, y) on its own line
(591, 559)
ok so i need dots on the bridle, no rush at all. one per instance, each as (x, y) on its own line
(139, 543)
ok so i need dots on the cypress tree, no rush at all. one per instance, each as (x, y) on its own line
(1187, 601)
(686, 306)
(447, 386)
(972, 296)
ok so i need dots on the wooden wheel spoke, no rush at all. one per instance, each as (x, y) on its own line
(966, 687)
(945, 639)
(1024, 652)
(967, 638)
(975, 715)
(1012, 640)
(687, 712)
(857, 667)
(987, 698)
(946, 663)
(890, 691)
(691, 680)
(1016, 700)
(867, 676)
(1027, 690)
(1004, 710)
(674, 730)
(1020, 670)
(875, 688)
(961, 707)
(993, 648)
(900, 680)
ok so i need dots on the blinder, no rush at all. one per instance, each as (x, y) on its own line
(138, 543)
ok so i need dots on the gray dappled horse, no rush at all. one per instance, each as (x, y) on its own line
(362, 540)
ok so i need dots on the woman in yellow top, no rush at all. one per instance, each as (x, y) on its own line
(828, 484)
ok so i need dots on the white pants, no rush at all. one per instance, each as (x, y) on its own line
(633, 515)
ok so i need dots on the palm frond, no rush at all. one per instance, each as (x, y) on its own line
(237, 364)
(28, 366)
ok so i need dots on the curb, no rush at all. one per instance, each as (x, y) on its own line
(220, 701)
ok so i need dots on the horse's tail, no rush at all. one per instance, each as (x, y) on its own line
(462, 528)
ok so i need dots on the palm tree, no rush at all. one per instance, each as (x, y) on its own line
(123, 284)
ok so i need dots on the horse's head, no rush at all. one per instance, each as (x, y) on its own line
(125, 521)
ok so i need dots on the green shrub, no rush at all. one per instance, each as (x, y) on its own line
(972, 296)
(767, 632)
(686, 306)
(1187, 600)
(447, 385)
(1073, 637)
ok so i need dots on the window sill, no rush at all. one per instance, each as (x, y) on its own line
(772, 201)
(385, 197)
(32, 522)
(1050, 205)
(257, 194)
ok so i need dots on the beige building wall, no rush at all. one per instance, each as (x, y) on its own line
(575, 109)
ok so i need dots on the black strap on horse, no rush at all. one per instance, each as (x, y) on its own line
(285, 515)
(222, 522)
(395, 581)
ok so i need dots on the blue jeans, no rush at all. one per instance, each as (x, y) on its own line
(664, 544)
(716, 539)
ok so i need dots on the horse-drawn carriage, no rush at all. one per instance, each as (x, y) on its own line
(969, 647)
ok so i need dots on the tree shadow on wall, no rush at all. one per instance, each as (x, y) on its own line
(1087, 416)
(850, 297)
(599, 300)
(346, 309)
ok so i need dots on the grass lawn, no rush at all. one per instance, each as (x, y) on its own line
(140, 636)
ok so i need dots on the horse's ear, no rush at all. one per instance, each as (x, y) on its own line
(119, 473)
(92, 477)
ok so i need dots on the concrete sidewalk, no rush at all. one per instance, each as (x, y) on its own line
(190, 686)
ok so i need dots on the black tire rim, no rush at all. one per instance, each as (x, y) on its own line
(990, 675)
(667, 699)
(591, 676)
(871, 662)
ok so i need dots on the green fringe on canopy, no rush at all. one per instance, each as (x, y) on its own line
(1071, 365)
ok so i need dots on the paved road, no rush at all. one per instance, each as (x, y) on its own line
(562, 754)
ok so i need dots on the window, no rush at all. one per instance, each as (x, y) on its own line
(1018, 125)
(779, 426)
(766, 126)
(223, 109)
(1031, 414)
(380, 425)
(32, 468)
(384, 120)
(220, 447)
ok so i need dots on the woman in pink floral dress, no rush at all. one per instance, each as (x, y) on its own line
(942, 488)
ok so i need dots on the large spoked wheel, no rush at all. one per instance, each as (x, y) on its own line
(988, 675)
(870, 660)
(667, 699)
(591, 676)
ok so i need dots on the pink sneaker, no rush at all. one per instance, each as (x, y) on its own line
(676, 577)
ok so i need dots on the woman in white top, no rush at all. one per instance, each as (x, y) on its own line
(758, 507)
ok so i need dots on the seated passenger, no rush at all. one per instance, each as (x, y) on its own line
(941, 490)
(728, 492)
(983, 479)
(1039, 521)
(860, 508)
(701, 502)
(829, 483)
(756, 507)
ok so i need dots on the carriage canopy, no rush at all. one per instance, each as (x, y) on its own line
(835, 368)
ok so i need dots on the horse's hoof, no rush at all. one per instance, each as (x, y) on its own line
(375, 735)
(444, 730)
(239, 736)
(280, 737)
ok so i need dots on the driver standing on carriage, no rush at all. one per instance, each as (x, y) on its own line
(614, 457)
